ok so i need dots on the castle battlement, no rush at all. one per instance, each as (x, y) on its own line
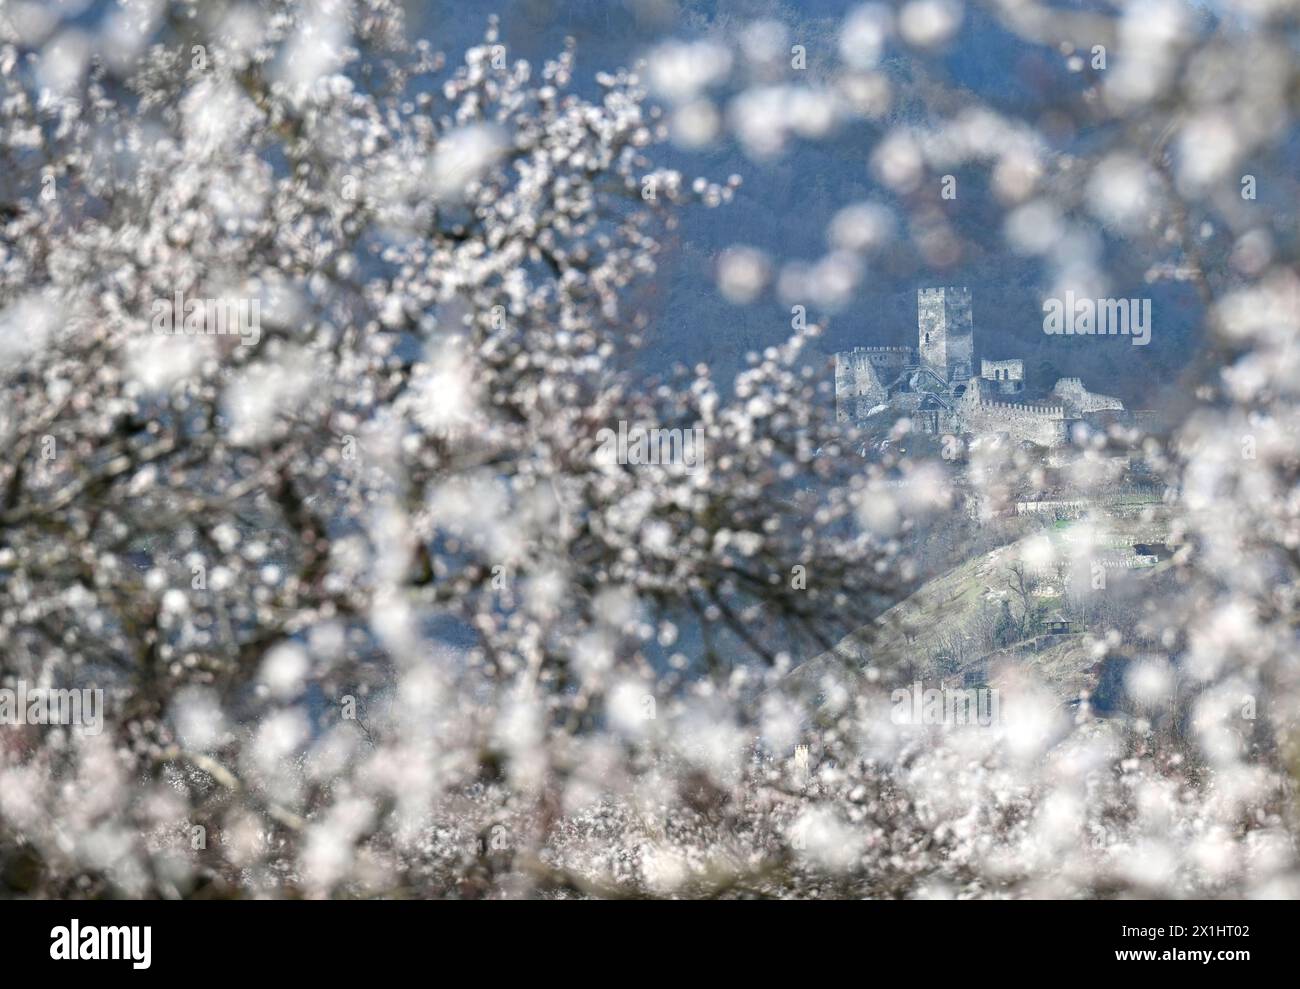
(1036, 411)
(1080, 400)
(867, 380)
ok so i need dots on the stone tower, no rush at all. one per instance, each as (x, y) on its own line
(944, 331)
(861, 376)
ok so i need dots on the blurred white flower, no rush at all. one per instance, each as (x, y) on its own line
(695, 124)
(1149, 681)
(198, 718)
(681, 70)
(462, 157)
(865, 32)
(1121, 191)
(929, 23)
(861, 227)
(285, 669)
(742, 274)
(898, 162)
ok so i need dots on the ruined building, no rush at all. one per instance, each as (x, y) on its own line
(936, 386)
(1007, 377)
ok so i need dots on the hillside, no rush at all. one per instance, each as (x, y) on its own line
(943, 630)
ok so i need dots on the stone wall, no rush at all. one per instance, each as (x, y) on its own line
(1013, 370)
(862, 376)
(1079, 400)
(1045, 425)
(1006, 377)
(945, 333)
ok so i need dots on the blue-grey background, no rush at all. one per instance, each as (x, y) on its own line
(786, 203)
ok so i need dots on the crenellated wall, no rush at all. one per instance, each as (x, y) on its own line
(1032, 427)
(1015, 411)
(1045, 425)
(1079, 400)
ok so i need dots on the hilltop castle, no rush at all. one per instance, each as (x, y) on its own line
(936, 386)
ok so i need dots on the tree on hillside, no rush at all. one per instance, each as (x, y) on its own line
(1021, 588)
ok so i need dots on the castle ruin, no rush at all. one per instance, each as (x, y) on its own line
(935, 386)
